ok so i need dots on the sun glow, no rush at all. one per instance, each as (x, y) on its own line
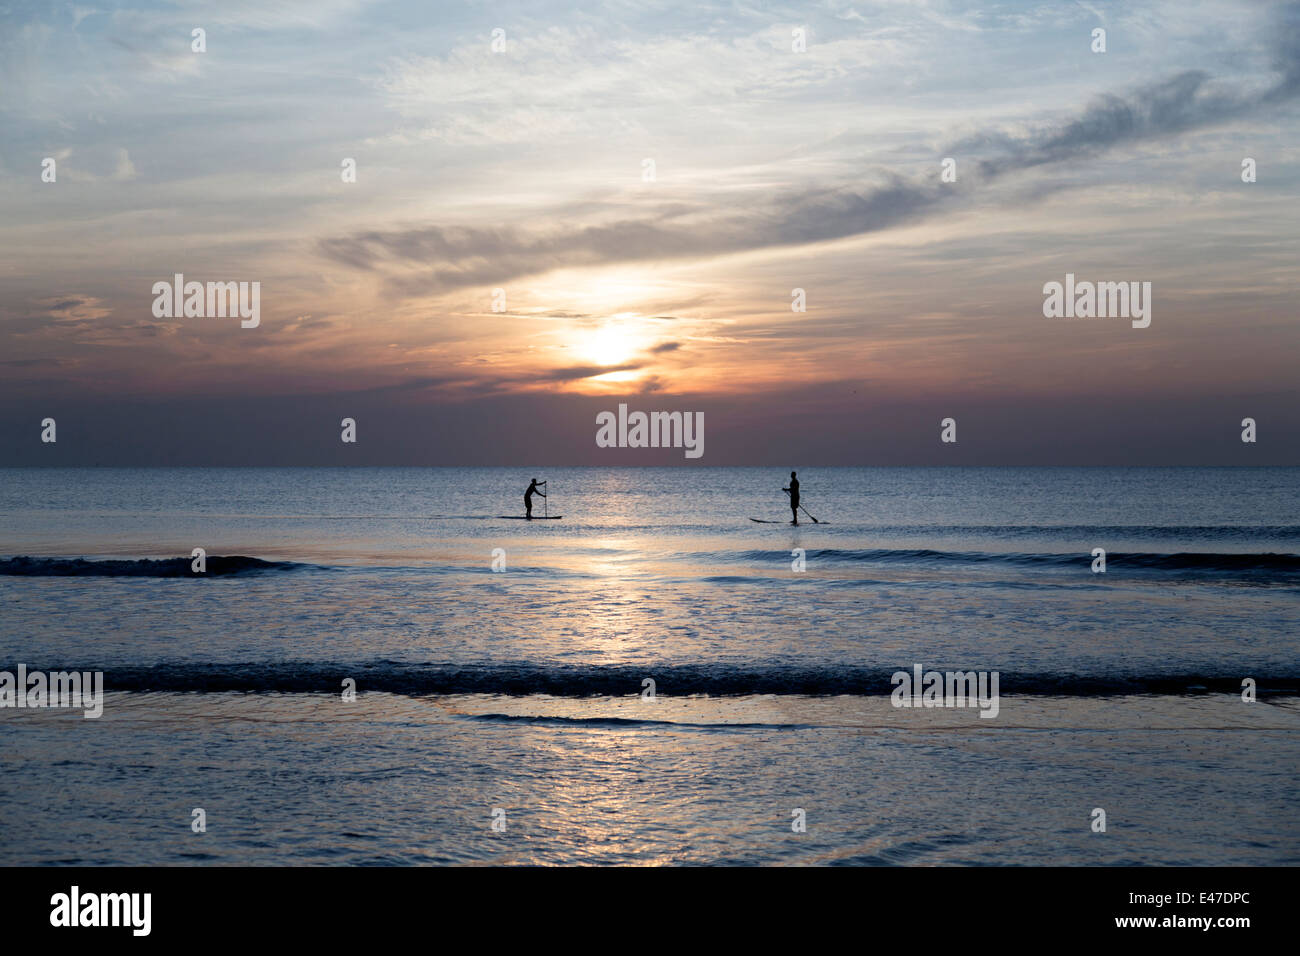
(611, 345)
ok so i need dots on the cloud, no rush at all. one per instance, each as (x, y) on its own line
(573, 373)
(39, 363)
(77, 318)
(1178, 104)
(575, 80)
(169, 60)
(469, 256)
(125, 169)
(74, 309)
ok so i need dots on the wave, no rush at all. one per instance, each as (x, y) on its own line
(624, 722)
(524, 679)
(1269, 564)
(217, 566)
(1227, 532)
(1211, 562)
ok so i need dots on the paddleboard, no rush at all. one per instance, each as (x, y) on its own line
(533, 518)
(802, 524)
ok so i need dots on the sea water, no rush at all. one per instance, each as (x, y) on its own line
(655, 678)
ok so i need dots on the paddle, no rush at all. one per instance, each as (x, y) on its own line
(546, 503)
(802, 508)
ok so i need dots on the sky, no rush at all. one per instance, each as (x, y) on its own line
(561, 207)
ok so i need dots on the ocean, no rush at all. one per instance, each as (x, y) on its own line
(655, 678)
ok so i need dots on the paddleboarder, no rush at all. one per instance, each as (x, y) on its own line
(528, 497)
(793, 491)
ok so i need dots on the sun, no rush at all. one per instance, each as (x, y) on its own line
(610, 345)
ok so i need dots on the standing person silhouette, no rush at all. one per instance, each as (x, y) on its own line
(528, 497)
(793, 491)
